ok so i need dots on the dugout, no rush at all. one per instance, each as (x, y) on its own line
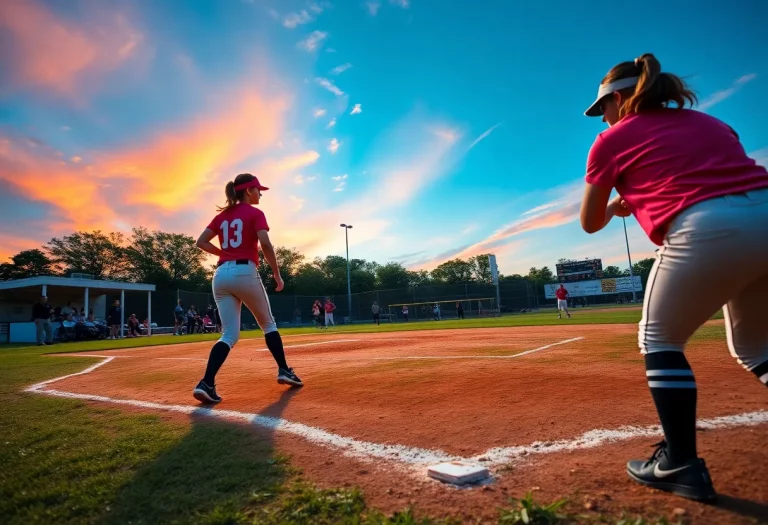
(18, 296)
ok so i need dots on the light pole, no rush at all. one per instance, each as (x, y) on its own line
(629, 258)
(348, 227)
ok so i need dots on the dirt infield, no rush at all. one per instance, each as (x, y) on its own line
(539, 405)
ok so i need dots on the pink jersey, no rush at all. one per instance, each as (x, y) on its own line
(237, 228)
(663, 162)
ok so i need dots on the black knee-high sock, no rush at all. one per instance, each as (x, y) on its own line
(673, 388)
(219, 354)
(761, 371)
(275, 345)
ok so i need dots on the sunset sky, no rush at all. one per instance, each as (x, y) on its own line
(436, 128)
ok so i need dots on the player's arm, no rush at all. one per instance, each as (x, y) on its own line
(205, 244)
(271, 257)
(596, 211)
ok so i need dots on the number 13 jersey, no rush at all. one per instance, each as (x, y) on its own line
(237, 228)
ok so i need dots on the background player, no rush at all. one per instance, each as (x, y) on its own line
(329, 308)
(686, 178)
(562, 302)
(241, 228)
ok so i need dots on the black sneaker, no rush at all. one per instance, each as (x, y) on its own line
(690, 479)
(205, 393)
(287, 377)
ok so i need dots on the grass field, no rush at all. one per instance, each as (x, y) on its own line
(69, 461)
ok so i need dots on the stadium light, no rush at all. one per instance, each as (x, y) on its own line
(629, 258)
(348, 227)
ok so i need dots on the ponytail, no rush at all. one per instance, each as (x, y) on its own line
(233, 196)
(655, 89)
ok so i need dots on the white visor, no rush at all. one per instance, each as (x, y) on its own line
(606, 89)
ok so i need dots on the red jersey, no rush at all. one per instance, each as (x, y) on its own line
(237, 228)
(330, 307)
(561, 293)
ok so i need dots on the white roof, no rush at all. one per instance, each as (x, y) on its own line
(66, 282)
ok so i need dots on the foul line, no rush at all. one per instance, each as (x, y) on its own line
(411, 456)
(480, 356)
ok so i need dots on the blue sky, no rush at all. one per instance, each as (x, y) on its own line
(438, 129)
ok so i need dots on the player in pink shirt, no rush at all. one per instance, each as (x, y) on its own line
(241, 228)
(686, 178)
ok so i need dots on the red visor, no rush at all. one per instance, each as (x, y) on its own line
(252, 184)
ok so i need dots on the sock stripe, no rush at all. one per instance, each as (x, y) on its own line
(677, 372)
(672, 384)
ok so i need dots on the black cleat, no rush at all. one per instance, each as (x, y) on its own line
(287, 377)
(690, 479)
(206, 394)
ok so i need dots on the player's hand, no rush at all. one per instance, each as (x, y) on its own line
(619, 207)
(279, 284)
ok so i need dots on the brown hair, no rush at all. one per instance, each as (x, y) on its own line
(654, 89)
(234, 197)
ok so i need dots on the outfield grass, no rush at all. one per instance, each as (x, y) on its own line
(67, 461)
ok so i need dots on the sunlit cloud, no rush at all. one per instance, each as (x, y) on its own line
(76, 159)
(484, 135)
(373, 7)
(292, 20)
(65, 128)
(340, 186)
(319, 113)
(333, 147)
(401, 3)
(719, 96)
(313, 41)
(338, 70)
(760, 156)
(58, 55)
(339, 177)
(298, 202)
(357, 109)
(330, 86)
(332, 123)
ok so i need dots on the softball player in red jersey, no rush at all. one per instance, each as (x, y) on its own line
(686, 178)
(241, 228)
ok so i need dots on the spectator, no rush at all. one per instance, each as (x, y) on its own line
(436, 312)
(217, 319)
(375, 312)
(460, 310)
(405, 313)
(209, 312)
(178, 315)
(115, 313)
(68, 310)
(133, 326)
(191, 315)
(57, 313)
(41, 315)
(297, 316)
(329, 309)
(317, 315)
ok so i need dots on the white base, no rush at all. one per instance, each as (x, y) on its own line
(458, 472)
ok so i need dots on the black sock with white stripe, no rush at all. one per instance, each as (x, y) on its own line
(761, 371)
(673, 388)
(219, 354)
(275, 345)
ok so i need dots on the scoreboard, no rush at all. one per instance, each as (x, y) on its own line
(572, 271)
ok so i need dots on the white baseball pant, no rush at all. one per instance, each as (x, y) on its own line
(235, 285)
(715, 255)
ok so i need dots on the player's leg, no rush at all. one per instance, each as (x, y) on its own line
(746, 329)
(229, 307)
(712, 251)
(255, 298)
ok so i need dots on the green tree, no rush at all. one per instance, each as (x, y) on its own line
(99, 254)
(392, 276)
(612, 271)
(481, 268)
(290, 261)
(453, 272)
(27, 263)
(541, 275)
(643, 269)
(419, 278)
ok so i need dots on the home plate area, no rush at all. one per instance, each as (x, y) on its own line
(457, 406)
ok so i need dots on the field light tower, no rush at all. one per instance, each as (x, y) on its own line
(348, 227)
(629, 258)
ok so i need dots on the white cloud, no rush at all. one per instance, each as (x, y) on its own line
(357, 109)
(402, 3)
(340, 69)
(340, 187)
(65, 128)
(330, 86)
(333, 147)
(319, 113)
(310, 179)
(313, 41)
(760, 156)
(332, 123)
(299, 179)
(484, 135)
(719, 96)
(339, 177)
(299, 203)
(373, 7)
(274, 14)
(293, 20)
(76, 159)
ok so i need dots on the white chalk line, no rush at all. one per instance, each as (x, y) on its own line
(410, 456)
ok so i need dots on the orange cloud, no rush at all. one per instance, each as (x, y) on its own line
(52, 53)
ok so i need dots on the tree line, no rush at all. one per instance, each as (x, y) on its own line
(172, 261)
